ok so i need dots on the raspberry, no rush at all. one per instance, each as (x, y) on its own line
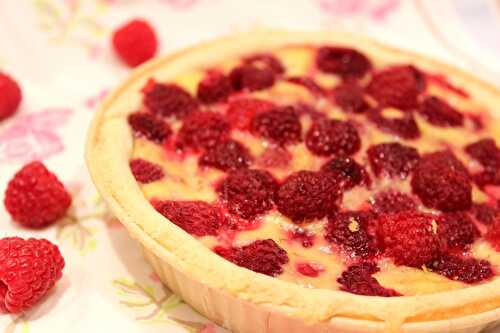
(468, 270)
(305, 237)
(350, 97)
(393, 202)
(35, 197)
(438, 112)
(168, 100)
(28, 270)
(195, 217)
(149, 126)
(251, 78)
(145, 171)
(487, 177)
(409, 238)
(485, 214)
(248, 193)
(493, 235)
(392, 159)
(265, 60)
(348, 63)
(307, 195)
(240, 112)
(442, 182)
(397, 87)
(261, 256)
(349, 231)
(405, 126)
(280, 125)
(347, 171)
(333, 137)
(307, 83)
(135, 42)
(309, 269)
(11, 96)
(486, 152)
(457, 230)
(228, 155)
(202, 130)
(216, 87)
(358, 279)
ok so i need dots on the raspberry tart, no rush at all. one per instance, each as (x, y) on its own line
(310, 182)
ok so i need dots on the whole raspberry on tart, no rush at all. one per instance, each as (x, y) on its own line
(328, 165)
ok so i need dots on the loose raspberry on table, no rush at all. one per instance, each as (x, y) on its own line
(307, 195)
(463, 269)
(11, 96)
(397, 87)
(248, 193)
(358, 279)
(35, 197)
(347, 172)
(280, 125)
(438, 112)
(457, 230)
(307, 83)
(265, 60)
(252, 78)
(348, 63)
(303, 236)
(404, 126)
(145, 171)
(215, 87)
(409, 238)
(333, 137)
(241, 111)
(349, 97)
(227, 155)
(309, 269)
(135, 42)
(149, 126)
(485, 213)
(168, 100)
(28, 270)
(261, 256)
(349, 230)
(203, 130)
(486, 152)
(392, 159)
(442, 182)
(389, 202)
(195, 217)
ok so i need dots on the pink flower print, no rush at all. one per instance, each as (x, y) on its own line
(33, 136)
(181, 4)
(376, 10)
(207, 328)
(93, 101)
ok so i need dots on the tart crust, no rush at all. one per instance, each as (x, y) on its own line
(235, 297)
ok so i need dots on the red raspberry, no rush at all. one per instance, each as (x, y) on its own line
(345, 62)
(305, 237)
(149, 126)
(405, 126)
(397, 87)
(438, 112)
(135, 42)
(274, 157)
(457, 230)
(309, 269)
(11, 96)
(228, 155)
(485, 214)
(442, 182)
(145, 171)
(463, 269)
(248, 193)
(392, 159)
(349, 230)
(240, 112)
(195, 217)
(35, 197)
(493, 235)
(28, 270)
(410, 238)
(265, 60)
(261, 256)
(350, 97)
(216, 87)
(333, 137)
(347, 172)
(486, 152)
(307, 83)
(307, 195)
(203, 130)
(168, 100)
(251, 78)
(358, 279)
(280, 125)
(392, 202)
(487, 177)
